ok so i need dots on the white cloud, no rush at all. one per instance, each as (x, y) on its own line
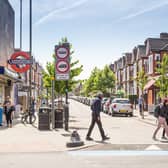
(60, 10)
(150, 9)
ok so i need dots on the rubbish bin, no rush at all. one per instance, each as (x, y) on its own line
(59, 118)
(44, 118)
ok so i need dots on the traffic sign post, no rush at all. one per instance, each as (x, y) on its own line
(62, 62)
(62, 69)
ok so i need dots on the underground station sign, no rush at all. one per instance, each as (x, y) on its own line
(20, 61)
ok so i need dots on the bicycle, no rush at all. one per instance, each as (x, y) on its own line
(25, 118)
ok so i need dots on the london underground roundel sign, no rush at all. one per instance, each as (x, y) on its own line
(20, 61)
(62, 52)
(62, 66)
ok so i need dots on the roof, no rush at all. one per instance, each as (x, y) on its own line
(149, 84)
(141, 50)
(157, 44)
(165, 47)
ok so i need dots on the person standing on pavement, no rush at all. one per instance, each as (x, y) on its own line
(1, 114)
(162, 119)
(96, 109)
(33, 105)
(166, 110)
(141, 103)
(8, 113)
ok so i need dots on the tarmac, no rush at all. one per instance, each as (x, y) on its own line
(28, 138)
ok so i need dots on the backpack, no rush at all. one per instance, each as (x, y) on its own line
(157, 111)
(93, 105)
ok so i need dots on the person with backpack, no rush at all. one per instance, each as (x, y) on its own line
(96, 109)
(162, 114)
(164, 131)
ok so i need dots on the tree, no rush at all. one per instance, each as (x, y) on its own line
(100, 80)
(162, 81)
(90, 84)
(108, 79)
(75, 70)
(142, 80)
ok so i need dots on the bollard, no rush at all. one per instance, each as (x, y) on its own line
(75, 140)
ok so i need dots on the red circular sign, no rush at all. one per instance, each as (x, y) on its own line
(62, 52)
(62, 66)
(15, 66)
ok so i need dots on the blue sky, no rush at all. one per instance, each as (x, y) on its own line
(100, 30)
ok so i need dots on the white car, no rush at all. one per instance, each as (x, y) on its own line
(121, 106)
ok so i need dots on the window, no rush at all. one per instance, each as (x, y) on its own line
(150, 64)
(157, 57)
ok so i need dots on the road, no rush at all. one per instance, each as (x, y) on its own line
(69, 160)
(123, 131)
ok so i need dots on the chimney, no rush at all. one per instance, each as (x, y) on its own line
(164, 35)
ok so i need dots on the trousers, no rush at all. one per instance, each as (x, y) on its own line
(98, 122)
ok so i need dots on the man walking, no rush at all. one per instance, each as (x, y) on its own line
(96, 109)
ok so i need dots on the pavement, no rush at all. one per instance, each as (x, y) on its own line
(28, 138)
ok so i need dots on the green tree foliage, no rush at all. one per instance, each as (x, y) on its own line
(141, 80)
(75, 70)
(162, 81)
(100, 80)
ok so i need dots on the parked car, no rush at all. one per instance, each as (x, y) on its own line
(103, 102)
(121, 106)
(106, 106)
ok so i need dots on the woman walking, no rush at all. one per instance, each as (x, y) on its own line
(162, 118)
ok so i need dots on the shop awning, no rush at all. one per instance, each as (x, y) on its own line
(5, 73)
(149, 84)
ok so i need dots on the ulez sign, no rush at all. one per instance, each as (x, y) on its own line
(62, 66)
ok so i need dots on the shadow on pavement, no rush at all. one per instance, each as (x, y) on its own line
(78, 128)
(73, 121)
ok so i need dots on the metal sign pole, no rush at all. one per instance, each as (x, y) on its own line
(30, 75)
(52, 104)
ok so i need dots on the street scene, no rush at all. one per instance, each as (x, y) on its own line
(83, 83)
(126, 134)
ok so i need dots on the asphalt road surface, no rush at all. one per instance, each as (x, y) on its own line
(79, 160)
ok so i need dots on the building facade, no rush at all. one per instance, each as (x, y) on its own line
(143, 57)
(13, 84)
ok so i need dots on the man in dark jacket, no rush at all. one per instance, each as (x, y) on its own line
(96, 109)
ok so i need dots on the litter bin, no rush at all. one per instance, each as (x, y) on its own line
(59, 118)
(44, 118)
(1, 115)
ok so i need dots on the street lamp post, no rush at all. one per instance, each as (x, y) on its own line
(20, 24)
(30, 71)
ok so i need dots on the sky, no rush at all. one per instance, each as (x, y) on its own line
(99, 30)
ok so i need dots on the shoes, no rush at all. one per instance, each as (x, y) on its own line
(89, 139)
(105, 138)
(164, 138)
(154, 138)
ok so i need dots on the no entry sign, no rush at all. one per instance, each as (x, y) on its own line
(62, 62)
(62, 66)
(62, 52)
(20, 61)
